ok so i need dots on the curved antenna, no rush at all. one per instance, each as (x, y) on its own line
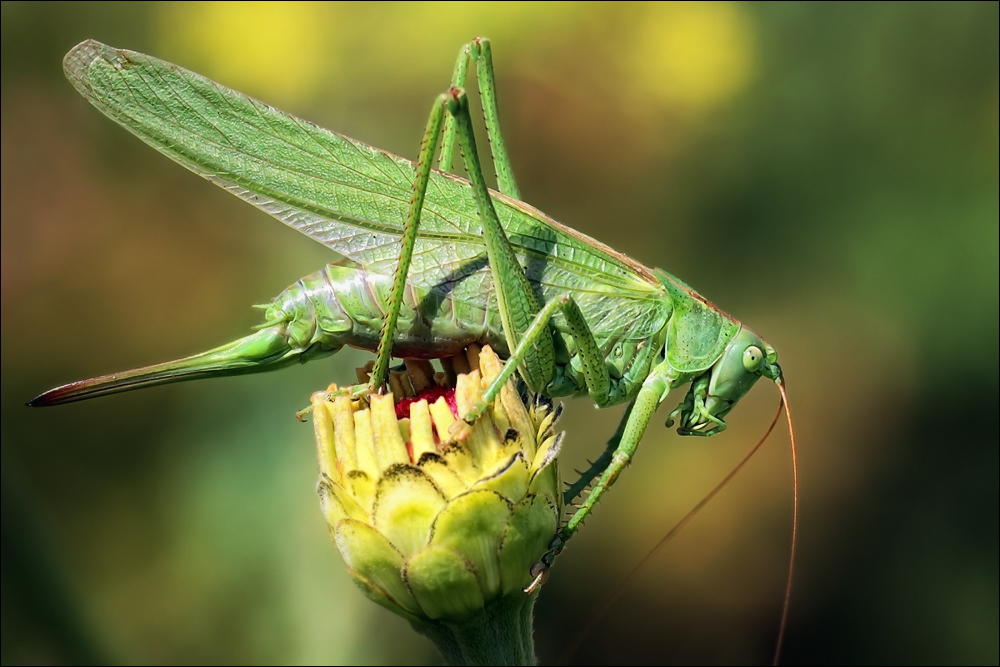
(616, 593)
(795, 521)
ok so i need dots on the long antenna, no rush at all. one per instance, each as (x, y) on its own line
(616, 593)
(795, 521)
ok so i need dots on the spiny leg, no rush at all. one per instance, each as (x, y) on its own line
(600, 464)
(480, 52)
(595, 372)
(516, 300)
(426, 158)
(654, 390)
(448, 137)
(525, 322)
(511, 283)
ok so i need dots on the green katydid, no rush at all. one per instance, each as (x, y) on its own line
(431, 262)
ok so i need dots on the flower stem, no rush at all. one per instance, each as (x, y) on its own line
(501, 634)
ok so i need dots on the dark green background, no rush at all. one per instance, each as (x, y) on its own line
(827, 173)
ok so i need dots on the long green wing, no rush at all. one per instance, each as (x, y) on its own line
(352, 197)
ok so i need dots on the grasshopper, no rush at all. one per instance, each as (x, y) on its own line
(431, 263)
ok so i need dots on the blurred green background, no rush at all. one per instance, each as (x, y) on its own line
(827, 173)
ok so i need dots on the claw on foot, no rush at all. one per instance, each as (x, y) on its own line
(540, 572)
(459, 430)
(354, 392)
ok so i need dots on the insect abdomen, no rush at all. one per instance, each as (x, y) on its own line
(344, 304)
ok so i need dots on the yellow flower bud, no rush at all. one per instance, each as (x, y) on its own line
(438, 520)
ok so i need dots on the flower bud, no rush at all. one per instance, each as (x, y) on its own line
(435, 519)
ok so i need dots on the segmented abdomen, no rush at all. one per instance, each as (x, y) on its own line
(344, 304)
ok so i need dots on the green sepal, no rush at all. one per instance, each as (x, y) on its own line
(362, 487)
(444, 583)
(510, 479)
(446, 479)
(458, 457)
(545, 474)
(472, 525)
(372, 558)
(337, 504)
(529, 531)
(380, 596)
(406, 503)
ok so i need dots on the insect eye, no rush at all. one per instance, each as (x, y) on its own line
(753, 358)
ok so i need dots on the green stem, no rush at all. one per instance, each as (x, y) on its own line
(499, 635)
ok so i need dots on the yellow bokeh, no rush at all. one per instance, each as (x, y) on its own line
(422, 39)
(693, 55)
(278, 50)
(289, 53)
